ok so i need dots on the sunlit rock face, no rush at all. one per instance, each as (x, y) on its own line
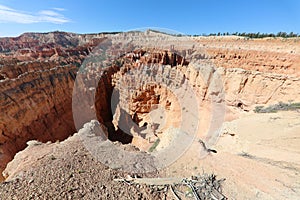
(38, 71)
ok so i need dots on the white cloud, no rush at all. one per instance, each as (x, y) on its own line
(4, 8)
(11, 15)
(59, 9)
(50, 13)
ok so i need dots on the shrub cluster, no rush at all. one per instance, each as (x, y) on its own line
(277, 107)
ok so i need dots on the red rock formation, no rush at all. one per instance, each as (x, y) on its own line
(37, 76)
(37, 73)
(270, 55)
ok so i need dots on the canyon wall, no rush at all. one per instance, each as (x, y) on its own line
(37, 73)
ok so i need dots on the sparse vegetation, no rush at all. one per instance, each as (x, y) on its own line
(153, 147)
(246, 155)
(52, 157)
(277, 107)
(255, 35)
(118, 63)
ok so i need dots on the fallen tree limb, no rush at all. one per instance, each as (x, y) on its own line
(152, 181)
(174, 194)
(202, 187)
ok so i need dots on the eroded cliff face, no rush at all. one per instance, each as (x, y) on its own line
(36, 105)
(256, 71)
(144, 80)
(37, 77)
(122, 95)
(37, 74)
(269, 55)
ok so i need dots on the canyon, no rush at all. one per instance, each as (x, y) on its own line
(53, 83)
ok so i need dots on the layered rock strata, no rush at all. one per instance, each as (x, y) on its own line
(37, 74)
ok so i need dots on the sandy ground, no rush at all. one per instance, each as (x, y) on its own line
(258, 154)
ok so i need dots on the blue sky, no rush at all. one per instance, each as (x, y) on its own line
(189, 16)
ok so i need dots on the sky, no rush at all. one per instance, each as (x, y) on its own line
(187, 17)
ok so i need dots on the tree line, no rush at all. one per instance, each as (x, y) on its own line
(244, 34)
(255, 35)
